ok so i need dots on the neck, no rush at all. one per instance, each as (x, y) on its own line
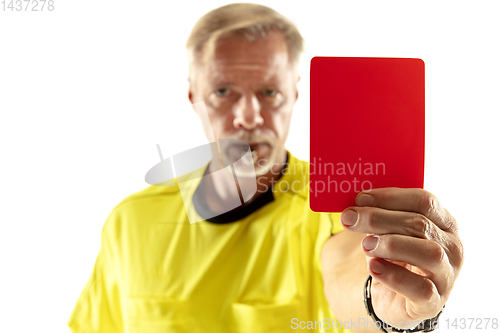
(219, 188)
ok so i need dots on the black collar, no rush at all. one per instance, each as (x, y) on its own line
(238, 213)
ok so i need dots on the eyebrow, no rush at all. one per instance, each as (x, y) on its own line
(216, 82)
(219, 80)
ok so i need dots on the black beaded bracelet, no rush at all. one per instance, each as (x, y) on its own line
(427, 325)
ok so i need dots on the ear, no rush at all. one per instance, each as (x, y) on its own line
(297, 90)
(190, 96)
(190, 92)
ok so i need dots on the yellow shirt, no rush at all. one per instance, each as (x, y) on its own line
(250, 271)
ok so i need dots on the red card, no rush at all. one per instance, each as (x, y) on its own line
(367, 128)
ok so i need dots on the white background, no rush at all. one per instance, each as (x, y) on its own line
(87, 90)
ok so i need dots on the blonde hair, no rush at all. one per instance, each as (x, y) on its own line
(250, 21)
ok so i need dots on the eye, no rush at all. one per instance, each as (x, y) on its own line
(222, 92)
(270, 92)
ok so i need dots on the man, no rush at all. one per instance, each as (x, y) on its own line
(270, 265)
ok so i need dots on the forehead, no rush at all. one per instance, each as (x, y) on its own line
(264, 58)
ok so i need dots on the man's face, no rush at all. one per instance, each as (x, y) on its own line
(249, 89)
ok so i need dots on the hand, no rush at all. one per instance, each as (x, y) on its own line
(413, 251)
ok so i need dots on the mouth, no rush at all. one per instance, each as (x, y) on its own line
(247, 160)
(258, 150)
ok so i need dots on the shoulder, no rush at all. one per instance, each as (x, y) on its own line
(295, 179)
(151, 205)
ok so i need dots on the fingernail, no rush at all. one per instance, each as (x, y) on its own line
(377, 267)
(365, 200)
(370, 243)
(349, 218)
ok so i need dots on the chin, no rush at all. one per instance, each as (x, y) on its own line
(259, 167)
(263, 166)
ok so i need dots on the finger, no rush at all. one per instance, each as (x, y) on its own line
(409, 200)
(426, 255)
(420, 291)
(372, 220)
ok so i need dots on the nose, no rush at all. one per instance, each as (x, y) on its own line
(247, 113)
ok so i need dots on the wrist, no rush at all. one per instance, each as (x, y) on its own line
(428, 325)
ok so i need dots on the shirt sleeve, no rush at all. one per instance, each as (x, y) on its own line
(98, 307)
(336, 225)
(328, 224)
